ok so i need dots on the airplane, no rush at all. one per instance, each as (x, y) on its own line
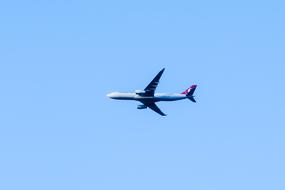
(148, 97)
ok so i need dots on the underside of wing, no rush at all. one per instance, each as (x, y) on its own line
(154, 107)
(150, 89)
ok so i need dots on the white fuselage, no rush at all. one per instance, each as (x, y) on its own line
(156, 98)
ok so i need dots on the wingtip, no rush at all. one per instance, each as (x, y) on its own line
(162, 71)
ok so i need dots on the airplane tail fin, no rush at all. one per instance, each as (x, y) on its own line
(190, 92)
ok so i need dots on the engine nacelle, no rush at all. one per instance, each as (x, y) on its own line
(140, 107)
(140, 92)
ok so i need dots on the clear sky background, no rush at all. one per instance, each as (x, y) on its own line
(59, 59)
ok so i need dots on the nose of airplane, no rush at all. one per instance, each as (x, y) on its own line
(110, 95)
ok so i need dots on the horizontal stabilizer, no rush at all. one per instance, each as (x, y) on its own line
(192, 99)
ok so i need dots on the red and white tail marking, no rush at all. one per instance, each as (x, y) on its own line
(190, 90)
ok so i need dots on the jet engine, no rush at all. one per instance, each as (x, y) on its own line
(140, 92)
(140, 107)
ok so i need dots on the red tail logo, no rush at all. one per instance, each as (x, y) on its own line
(190, 90)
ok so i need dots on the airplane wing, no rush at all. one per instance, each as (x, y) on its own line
(154, 107)
(150, 89)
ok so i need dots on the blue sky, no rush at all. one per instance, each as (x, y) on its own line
(59, 59)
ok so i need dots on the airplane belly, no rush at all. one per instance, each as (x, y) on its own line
(168, 98)
(142, 98)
